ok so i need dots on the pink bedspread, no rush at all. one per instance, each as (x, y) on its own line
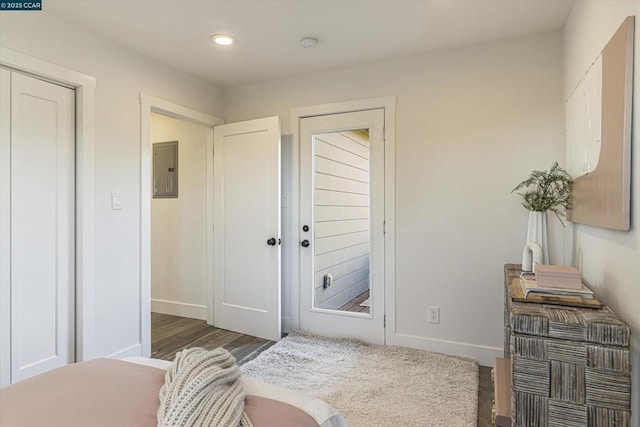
(112, 393)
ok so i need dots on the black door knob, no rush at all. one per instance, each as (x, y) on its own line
(271, 241)
(304, 243)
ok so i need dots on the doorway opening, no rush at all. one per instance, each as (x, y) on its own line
(245, 151)
(181, 255)
(179, 153)
(163, 121)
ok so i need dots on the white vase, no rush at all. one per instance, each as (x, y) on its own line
(537, 232)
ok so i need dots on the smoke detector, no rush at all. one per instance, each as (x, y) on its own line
(309, 42)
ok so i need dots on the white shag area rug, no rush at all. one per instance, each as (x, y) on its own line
(374, 385)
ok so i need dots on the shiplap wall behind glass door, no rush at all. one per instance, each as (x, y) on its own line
(342, 238)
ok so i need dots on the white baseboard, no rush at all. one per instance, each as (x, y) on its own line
(484, 355)
(181, 309)
(134, 350)
(287, 324)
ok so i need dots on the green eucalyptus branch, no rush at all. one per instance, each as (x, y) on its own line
(547, 191)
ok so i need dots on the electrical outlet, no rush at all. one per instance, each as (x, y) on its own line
(434, 314)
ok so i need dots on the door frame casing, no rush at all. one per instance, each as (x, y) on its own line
(84, 86)
(150, 104)
(388, 104)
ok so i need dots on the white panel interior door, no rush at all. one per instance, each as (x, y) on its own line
(246, 218)
(42, 226)
(342, 204)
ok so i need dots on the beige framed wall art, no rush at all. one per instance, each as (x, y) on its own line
(599, 136)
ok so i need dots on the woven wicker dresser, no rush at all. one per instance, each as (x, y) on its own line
(570, 366)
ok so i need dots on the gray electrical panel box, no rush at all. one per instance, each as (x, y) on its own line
(165, 170)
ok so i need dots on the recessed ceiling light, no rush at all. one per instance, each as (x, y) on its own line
(222, 39)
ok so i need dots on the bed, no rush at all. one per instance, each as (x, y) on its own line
(124, 393)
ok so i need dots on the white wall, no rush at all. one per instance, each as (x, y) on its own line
(178, 225)
(609, 260)
(471, 123)
(121, 75)
(341, 219)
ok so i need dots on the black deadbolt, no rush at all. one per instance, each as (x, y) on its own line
(305, 228)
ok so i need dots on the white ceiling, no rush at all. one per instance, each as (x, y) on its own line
(268, 32)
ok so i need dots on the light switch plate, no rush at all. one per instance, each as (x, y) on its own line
(116, 201)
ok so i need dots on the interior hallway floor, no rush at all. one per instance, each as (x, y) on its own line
(170, 334)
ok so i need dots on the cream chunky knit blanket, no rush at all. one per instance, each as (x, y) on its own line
(202, 389)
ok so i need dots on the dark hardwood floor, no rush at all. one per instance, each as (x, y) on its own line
(485, 397)
(170, 334)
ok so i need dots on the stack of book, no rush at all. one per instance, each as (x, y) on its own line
(558, 276)
(555, 280)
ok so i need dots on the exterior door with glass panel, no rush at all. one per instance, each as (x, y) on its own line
(342, 225)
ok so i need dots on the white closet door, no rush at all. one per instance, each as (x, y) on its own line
(5, 227)
(42, 226)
